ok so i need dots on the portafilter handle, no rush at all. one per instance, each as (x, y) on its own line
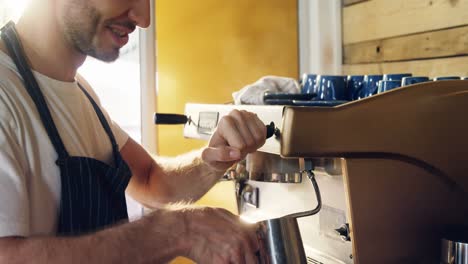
(170, 119)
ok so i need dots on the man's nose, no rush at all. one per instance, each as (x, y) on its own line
(140, 13)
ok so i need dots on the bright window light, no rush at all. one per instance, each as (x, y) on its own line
(12, 9)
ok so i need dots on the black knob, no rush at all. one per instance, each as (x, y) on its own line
(272, 130)
(344, 232)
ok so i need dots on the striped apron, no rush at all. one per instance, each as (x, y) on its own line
(92, 192)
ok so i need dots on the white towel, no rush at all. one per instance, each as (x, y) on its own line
(253, 93)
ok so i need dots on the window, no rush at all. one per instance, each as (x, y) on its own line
(11, 10)
(118, 86)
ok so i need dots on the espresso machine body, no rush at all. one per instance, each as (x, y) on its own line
(391, 169)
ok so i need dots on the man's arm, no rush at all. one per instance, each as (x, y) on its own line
(138, 242)
(159, 181)
(206, 235)
(186, 178)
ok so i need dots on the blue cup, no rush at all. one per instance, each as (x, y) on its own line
(370, 85)
(388, 85)
(354, 86)
(412, 80)
(447, 78)
(308, 83)
(331, 87)
(396, 76)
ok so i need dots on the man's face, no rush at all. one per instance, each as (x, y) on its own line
(99, 28)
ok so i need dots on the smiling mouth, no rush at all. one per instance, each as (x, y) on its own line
(118, 32)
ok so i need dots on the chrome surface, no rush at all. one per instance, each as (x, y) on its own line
(282, 241)
(268, 167)
(247, 195)
(454, 252)
(294, 177)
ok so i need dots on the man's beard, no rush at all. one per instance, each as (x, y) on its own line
(81, 23)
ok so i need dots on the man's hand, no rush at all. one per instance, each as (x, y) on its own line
(237, 135)
(215, 235)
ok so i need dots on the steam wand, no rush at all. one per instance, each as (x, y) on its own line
(310, 174)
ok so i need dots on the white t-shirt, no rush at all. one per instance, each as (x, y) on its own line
(29, 178)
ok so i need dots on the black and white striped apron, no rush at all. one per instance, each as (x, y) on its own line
(92, 192)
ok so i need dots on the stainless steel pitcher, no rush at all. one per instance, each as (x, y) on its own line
(454, 246)
(280, 239)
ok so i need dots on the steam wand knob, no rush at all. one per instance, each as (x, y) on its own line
(272, 130)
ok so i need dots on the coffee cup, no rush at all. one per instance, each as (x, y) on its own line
(447, 78)
(412, 80)
(331, 87)
(388, 85)
(396, 76)
(308, 83)
(370, 85)
(354, 86)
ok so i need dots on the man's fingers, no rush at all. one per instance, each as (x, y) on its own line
(229, 131)
(242, 130)
(243, 118)
(257, 129)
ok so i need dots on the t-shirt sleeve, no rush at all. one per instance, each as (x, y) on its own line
(120, 135)
(14, 199)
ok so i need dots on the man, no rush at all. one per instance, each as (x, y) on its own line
(65, 165)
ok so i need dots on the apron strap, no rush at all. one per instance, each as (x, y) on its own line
(13, 44)
(105, 125)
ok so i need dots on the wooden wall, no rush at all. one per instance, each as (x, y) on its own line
(423, 37)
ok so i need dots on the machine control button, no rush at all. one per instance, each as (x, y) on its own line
(344, 233)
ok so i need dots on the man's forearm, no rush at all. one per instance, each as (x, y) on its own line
(146, 240)
(185, 178)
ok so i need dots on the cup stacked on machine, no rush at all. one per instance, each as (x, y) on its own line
(337, 89)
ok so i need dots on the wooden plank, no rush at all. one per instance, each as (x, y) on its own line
(352, 2)
(442, 43)
(380, 19)
(457, 66)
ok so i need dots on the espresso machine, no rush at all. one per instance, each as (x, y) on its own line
(392, 171)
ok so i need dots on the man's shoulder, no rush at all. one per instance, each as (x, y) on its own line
(86, 85)
(9, 76)
(11, 85)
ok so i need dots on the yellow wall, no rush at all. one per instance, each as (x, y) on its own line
(208, 49)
